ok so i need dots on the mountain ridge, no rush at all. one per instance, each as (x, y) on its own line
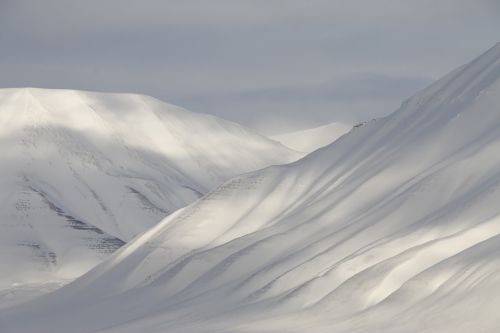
(311, 139)
(393, 227)
(84, 172)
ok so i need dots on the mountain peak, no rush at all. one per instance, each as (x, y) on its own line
(83, 172)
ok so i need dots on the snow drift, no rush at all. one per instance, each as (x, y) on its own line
(81, 173)
(393, 228)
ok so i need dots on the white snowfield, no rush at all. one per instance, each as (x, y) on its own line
(81, 173)
(393, 228)
(311, 139)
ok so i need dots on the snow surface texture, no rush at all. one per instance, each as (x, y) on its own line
(81, 173)
(393, 228)
(314, 138)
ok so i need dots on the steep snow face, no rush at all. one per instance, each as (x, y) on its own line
(393, 228)
(314, 138)
(81, 173)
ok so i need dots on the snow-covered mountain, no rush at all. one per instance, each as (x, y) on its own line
(393, 228)
(81, 173)
(311, 139)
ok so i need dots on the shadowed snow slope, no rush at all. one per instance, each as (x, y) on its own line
(81, 172)
(311, 139)
(393, 228)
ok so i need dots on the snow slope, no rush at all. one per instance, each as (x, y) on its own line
(393, 228)
(311, 139)
(81, 173)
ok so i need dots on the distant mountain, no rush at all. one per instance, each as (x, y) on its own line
(395, 227)
(81, 173)
(311, 139)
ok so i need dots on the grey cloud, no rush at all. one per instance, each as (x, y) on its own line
(346, 99)
(297, 61)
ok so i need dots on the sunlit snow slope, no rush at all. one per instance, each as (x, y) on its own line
(393, 228)
(311, 139)
(81, 173)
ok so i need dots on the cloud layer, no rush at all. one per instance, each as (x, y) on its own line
(272, 64)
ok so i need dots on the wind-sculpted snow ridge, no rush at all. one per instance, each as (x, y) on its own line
(393, 228)
(81, 173)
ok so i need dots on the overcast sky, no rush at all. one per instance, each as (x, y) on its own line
(272, 64)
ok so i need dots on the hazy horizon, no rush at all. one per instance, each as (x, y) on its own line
(273, 65)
